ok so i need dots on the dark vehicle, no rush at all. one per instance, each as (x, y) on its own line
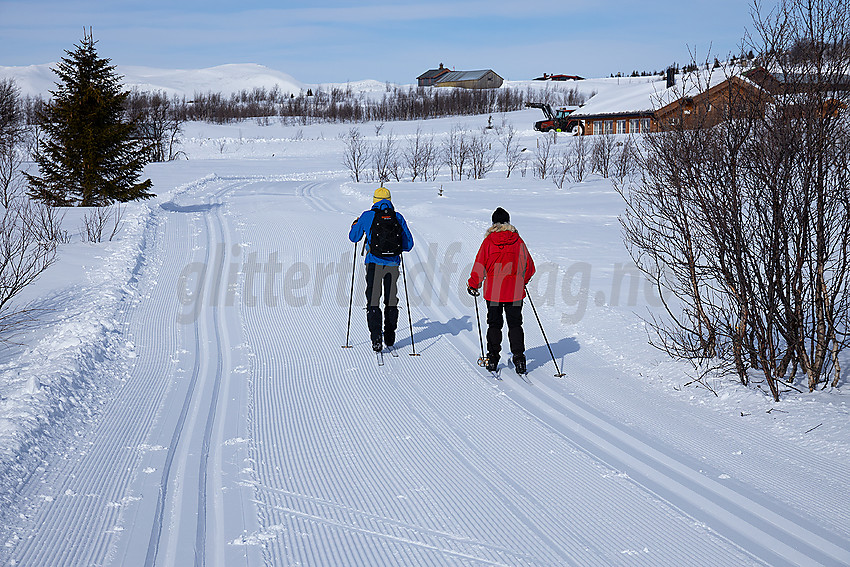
(559, 120)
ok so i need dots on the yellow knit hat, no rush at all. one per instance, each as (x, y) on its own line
(381, 193)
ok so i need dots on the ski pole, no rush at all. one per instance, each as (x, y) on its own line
(351, 295)
(558, 370)
(480, 339)
(407, 300)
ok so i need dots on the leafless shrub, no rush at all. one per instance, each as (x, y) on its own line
(742, 215)
(561, 167)
(513, 153)
(12, 143)
(456, 152)
(160, 123)
(415, 155)
(544, 155)
(12, 182)
(102, 222)
(421, 157)
(11, 112)
(557, 94)
(602, 154)
(432, 160)
(343, 105)
(48, 224)
(579, 158)
(626, 159)
(356, 153)
(24, 255)
(385, 159)
(482, 158)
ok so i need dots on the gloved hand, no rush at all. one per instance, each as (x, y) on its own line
(472, 291)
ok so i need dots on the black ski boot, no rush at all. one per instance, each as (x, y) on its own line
(390, 324)
(373, 319)
(492, 363)
(519, 364)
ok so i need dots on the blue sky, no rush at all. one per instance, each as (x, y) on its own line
(319, 41)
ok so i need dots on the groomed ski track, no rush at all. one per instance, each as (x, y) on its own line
(244, 435)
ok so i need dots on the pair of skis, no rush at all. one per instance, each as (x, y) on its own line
(497, 374)
(379, 354)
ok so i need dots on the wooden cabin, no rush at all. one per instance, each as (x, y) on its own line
(431, 76)
(442, 77)
(653, 106)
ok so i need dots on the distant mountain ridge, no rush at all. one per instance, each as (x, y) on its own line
(226, 79)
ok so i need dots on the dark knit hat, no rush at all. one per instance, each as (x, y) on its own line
(500, 215)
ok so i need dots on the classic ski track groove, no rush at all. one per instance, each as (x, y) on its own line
(780, 539)
(509, 494)
(78, 522)
(598, 449)
(770, 532)
(356, 464)
(505, 386)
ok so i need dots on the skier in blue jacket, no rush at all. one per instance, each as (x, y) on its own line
(382, 266)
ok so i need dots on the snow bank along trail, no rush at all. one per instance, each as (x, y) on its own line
(244, 434)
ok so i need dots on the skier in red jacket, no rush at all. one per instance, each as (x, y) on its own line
(504, 265)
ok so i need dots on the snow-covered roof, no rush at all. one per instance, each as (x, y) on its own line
(645, 98)
(628, 99)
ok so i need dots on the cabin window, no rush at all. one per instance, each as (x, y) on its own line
(621, 127)
(609, 127)
(645, 125)
(634, 126)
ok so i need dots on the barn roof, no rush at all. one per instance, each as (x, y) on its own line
(454, 76)
(432, 73)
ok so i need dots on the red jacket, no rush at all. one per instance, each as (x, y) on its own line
(504, 263)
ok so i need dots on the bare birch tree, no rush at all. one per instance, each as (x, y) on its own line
(510, 145)
(742, 213)
(482, 158)
(24, 255)
(356, 154)
(544, 155)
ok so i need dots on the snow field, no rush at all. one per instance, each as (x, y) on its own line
(241, 433)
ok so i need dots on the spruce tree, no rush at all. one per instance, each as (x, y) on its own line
(89, 155)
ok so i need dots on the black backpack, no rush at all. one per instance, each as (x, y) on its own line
(386, 235)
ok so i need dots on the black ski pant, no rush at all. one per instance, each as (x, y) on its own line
(382, 280)
(497, 313)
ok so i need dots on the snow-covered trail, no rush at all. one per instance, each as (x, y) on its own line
(244, 434)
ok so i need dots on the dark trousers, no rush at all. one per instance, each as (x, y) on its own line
(495, 320)
(382, 280)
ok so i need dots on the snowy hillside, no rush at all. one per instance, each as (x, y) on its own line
(226, 79)
(39, 79)
(185, 398)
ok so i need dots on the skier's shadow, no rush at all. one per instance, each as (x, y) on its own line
(425, 329)
(539, 355)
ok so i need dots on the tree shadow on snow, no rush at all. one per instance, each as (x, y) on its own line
(43, 312)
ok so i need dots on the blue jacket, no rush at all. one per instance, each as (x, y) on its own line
(363, 225)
